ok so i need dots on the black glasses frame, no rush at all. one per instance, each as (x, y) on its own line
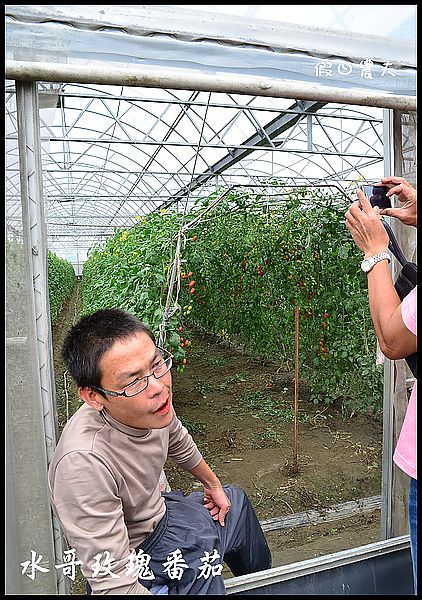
(145, 377)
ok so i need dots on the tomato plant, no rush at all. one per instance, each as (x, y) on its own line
(253, 265)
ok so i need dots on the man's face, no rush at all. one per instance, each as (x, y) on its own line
(126, 361)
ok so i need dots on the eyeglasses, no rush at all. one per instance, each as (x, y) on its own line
(162, 367)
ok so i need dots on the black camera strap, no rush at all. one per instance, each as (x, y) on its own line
(407, 279)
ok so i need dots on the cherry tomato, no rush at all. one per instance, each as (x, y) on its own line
(191, 283)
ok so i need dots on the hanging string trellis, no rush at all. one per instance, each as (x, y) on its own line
(175, 273)
(171, 307)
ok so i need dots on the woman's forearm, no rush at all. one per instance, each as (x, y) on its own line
(394, 338)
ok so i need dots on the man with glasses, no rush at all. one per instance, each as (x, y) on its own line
(104, 479)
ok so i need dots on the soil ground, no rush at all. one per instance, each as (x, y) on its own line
(240, 412)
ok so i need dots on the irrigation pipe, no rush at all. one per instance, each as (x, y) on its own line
(175, 269)
(196, 154)
(168, 313)
(176, 263)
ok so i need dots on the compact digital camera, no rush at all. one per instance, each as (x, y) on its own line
(377, 195)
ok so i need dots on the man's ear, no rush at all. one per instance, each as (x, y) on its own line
(91, 397)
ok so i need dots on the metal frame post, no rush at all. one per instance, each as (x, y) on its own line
(394, 493)
(34, 226)
(388, 422)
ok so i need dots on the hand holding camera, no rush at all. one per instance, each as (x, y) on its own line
(406, 194)
(366, 228)
(379, 194)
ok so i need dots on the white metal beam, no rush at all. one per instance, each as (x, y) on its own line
(187, 80)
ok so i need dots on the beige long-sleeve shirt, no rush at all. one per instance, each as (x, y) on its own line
(104, 490)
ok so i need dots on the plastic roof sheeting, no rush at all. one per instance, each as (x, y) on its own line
(157, 38)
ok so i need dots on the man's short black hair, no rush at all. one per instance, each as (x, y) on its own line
(92, 336)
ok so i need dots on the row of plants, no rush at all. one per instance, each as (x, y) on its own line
(245, 268)
(61, 281)
(253, 265)
(131, 271)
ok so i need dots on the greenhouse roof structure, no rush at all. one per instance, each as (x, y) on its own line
(146, 106)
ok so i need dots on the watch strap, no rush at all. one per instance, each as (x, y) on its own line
(371, 261)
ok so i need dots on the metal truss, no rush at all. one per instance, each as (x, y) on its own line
(111, 154)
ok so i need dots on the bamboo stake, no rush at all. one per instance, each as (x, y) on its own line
(295, 457)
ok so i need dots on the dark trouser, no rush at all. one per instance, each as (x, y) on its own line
(189, 528)
(413, 524)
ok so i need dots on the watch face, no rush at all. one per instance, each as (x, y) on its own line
(366, 265)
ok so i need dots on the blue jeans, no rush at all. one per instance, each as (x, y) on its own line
(413, 526)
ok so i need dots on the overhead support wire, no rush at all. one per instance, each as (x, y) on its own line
(168, 312)
(260, 139)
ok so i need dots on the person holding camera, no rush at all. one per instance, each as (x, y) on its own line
(394, 320)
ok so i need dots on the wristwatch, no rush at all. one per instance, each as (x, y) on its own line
(369, 262)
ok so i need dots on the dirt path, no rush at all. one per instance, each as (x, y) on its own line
(240, 412)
